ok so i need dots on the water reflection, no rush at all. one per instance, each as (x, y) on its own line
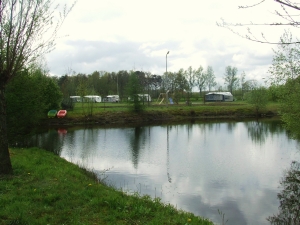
(289, 197)
(168, 157)
(258, 131)
(50, 140)
(137, 140)
(201, 167)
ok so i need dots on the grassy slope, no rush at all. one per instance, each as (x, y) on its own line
(46, 189)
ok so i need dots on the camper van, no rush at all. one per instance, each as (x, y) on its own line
(219, 97)
(92, 98)
(143, 98)
(112, 98)
(75, 98)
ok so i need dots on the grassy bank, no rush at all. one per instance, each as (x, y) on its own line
(46, 189)
(209, 107)
(119, 113)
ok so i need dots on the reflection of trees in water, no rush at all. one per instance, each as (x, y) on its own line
(168, 156)
(188, 127)
(135, 143)
(231, 126)
(69, 144)
(20, 138)
(89, 135)
(258, 130)
(217, 125)
(51, 141)
(138, 142)
(289, 197)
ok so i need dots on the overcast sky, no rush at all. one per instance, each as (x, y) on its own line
(114, 35)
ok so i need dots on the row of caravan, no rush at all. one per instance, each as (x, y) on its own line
(109, 98)
(95, 98)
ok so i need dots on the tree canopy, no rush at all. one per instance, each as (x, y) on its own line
(258, 98)
(29, 97)
(134, 90)
(285, 82)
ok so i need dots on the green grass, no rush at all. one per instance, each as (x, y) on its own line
(46, 189)
(197, 108)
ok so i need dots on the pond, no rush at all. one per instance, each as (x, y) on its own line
(208, 168)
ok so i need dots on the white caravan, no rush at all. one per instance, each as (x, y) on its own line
(92, 98)
(112, 98)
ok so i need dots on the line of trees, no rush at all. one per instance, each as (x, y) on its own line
(179, 83)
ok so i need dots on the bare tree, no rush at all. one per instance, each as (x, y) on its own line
(242, 83)
(200, 78)
(28, 30)
(231, 78)
(286, 14)
(210, 78)
(286, 61)
(191, 82)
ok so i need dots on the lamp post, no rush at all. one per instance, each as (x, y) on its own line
(167, 99)
(168, 155)
(118, 86)
(167, 62)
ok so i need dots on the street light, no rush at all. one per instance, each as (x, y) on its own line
(167, 63)
(167, 99)
(168, 155)
(118, 86)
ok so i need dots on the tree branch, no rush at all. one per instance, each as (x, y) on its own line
(283, 14)
(250, 6)
(289, 5)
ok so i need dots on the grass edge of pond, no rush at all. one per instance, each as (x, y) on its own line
(46, 189)
(161, 114)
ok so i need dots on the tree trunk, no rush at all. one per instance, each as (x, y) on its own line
(5, 163)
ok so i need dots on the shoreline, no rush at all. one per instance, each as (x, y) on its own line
(121, 118)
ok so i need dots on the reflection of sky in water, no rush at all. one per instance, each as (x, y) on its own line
(234, 167)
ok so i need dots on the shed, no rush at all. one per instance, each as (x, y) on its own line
(219, 97)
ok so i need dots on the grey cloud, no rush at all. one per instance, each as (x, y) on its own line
(88, 56)
(219, 55)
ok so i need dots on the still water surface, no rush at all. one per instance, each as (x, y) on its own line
(234, 167)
